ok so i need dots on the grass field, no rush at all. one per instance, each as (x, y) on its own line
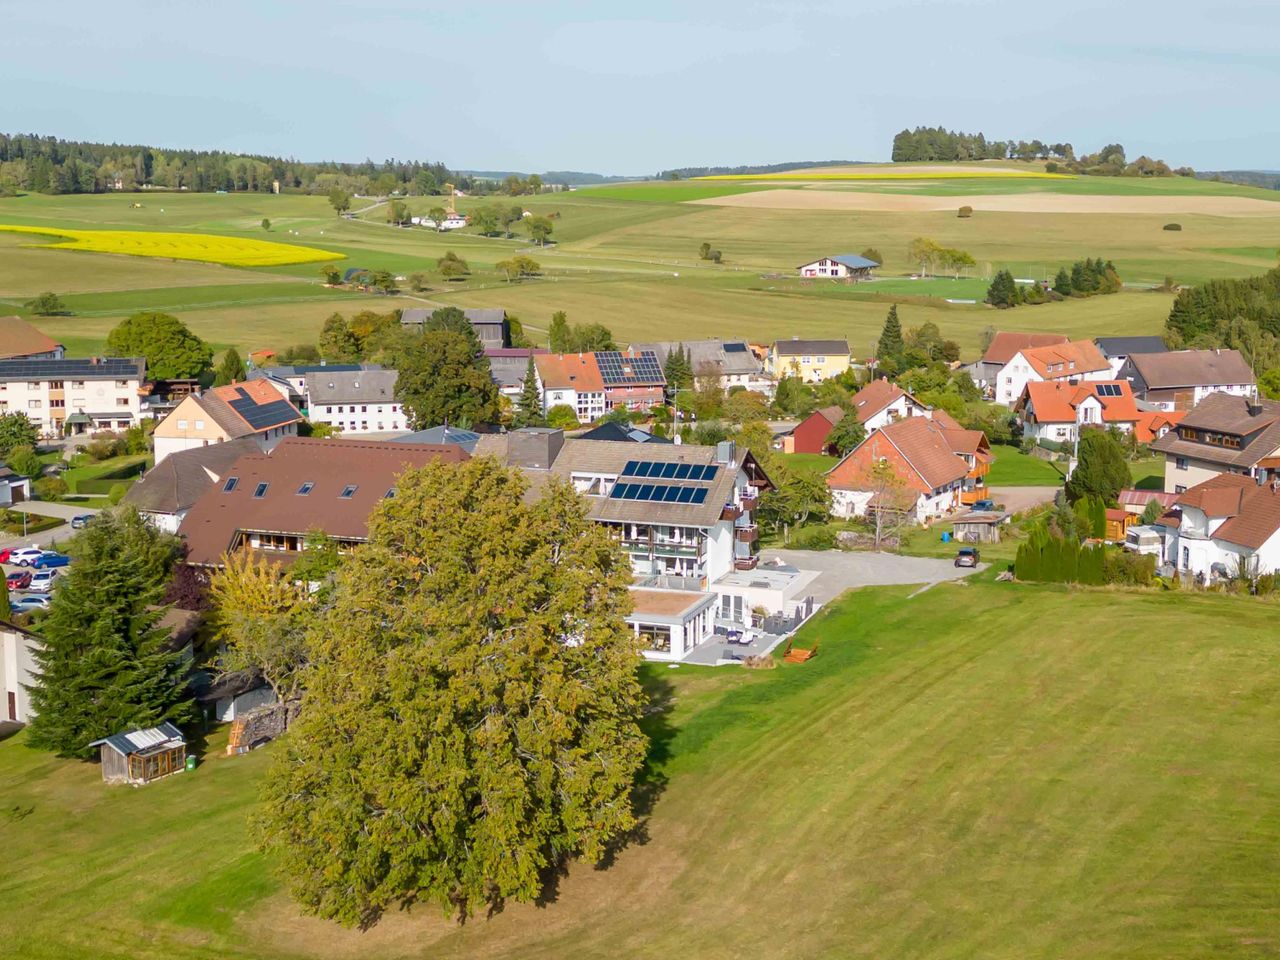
(1013, 468)
(811, 462)
(941, 781)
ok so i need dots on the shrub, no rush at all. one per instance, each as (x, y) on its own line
(965, 212)
(118, 490)
(1173, 226)
(1052, 167)
(562, 417)
(1265, 584)
(1129, 569)
(50, 488)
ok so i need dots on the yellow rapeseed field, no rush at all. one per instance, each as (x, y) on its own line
(919, 175)
(231, 251)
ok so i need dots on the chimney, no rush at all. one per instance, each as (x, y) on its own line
(727, 453)
(1253, 404)
(534, 448)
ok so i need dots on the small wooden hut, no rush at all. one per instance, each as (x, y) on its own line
(141, 756)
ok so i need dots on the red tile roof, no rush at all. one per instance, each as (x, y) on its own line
(1152, 424)
(20, 339)
(1252, 512)
(924, 447)
(1005, 344)
(569, 371)
(875, 396)
(1066, 359)
(1056, 401)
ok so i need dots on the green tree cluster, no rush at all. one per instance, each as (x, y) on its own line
(46, 305)
(171, 350)
(578, 338)
(231, 369)
(1101, 471)
(678, 370)
(443, 380)
(16, 430)
(1049, 558)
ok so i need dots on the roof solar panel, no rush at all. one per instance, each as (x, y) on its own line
(630, 469)
(616, 369)
(670, 493)
(734, 348)
(669, 470)
(109, 368)
(262, 415)
(682, 471)
(686, 495)
(646, 489)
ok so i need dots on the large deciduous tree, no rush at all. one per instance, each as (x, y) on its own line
(16, 430)
(847, 433)
(471, 718)
(171, 350)
(442, 380)
(105, 663)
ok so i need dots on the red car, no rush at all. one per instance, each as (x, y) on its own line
(19, 579)
(4, 554)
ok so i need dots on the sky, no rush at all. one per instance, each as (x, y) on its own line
(525, 86)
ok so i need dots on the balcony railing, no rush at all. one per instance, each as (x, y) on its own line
(747, 534)
(731, 511)
(745, 563)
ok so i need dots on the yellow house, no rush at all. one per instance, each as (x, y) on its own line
(811, 360)
(253, 409)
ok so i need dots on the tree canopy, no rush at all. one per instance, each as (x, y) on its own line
(231, 369)
(16, 430)
(443, 380)
(1101, 471)
(453, 747)
(172, 351)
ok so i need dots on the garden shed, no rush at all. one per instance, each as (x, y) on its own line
(980, 526)
(141, 756)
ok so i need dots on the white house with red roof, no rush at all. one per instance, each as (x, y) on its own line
(1228, 525)
(1056, 410)
(1076, 360)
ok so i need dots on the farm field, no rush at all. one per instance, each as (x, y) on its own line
(938, 782)
(626, 256)
(202, 248)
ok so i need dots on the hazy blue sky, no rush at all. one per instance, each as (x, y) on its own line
(529, 86)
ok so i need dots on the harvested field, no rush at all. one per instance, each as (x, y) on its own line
(1030, 202)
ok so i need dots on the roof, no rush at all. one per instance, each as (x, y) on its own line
(796, 347)
(1140, 498)
(944, 419)
(1057, 401)
(371, 467)
(302, 369)
(248, 408)
(923, 445)
(1061, 360)
(851, 260)
(466, 439)
(1192, 368)
(181, 478)
(665, 603)
(146, 741)
(20, 339)
(476, 315)
(1005, 344)
(88, 368)
(875, 396)
(1128, 346)
(619, 369)
(1120, 516)
(1259, 431)
(729, 357)
(1252, 512)
(569, 371)
(618, 432)
(356, 386)
(1151, 422)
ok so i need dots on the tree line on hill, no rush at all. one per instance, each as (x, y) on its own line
(1085, 278)
(43, 164)
(1239, 314)
(924, 144)
(683, 173)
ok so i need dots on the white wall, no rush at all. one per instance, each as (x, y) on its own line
(900, 409)
(18, 670)
(36, 399)
(357, 418)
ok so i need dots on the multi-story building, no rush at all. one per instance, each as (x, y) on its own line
(729, 360)
(811, 360)
(362, 401)
(250, 409)
(508, 367)
(1179, 380)
(632, 379)
(74, 396)
(573, 380)
(291, 379)
(1057, 410)
(1073, 361)
(1225, 433)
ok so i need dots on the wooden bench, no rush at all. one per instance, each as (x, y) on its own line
(799, 655)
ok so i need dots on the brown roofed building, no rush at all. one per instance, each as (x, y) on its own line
(271, 501)
(1229, 525)
(1056, 410)
(250, 409)
(168, 490)
(1181, 379)
(19, 340)
(1223, 434)
(1001, 350)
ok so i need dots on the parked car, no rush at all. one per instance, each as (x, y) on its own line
(42, 581)
(25, 556)
(4, 554)
(968, 557)
(32, 601)
(19, 580)
(48, 558)
(82, 521)
(984, 506)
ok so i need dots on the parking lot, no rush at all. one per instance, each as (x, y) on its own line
(46, 539)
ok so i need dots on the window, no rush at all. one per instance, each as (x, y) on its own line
(389, 494)
(1180, 488)
(34, 384)
(57, 403)
(230, 484)
(260, 491)
(182, 424)
(33, 404)
(1180, 463)
(55, 384)
(124, 402)
(122, 383)
(77, 383)
(199, 424)
(1186, 558)
(348, 492)
(364, 409)
(822, 360)
(328, 409)
(305, 488)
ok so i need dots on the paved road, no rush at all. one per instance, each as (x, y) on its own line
(47, 537)
(1017, 499)
(840, 571)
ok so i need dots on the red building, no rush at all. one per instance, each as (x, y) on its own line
(810, 435)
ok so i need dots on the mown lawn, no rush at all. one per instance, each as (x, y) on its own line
(811, 462)
(950, 777)
(1013, 468)
(1148, 474)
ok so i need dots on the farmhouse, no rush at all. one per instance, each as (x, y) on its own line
(1225, 433)
(811, 360)
(842, 266)
(508, 366)
(250, 409)
(1179, 380)
(1229, 525)
(1003, 347)
(357, 402)
(1056, 410)
(19, 340)
(730, 360)
(165, 493)
(1076, 360)
(1119, 349)
(75, 395)
(291, 379)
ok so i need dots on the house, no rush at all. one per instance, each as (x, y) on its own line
(490, 324)
(19, 340)
(250, 409)
(633, 380)
(18, 672)
(881, 402)
(452, 221)
(1004, 345)
(14, 488)
(1056, 410)
(1180, 379)
(1225, 433)
(165, 493)
(572, 379)
(1119, 349)
(932, 468)
(672, 623)
(508, 366)
(363, 401)
(161, 397)
(141, 756)
(811, 360)
(842, 266)
(732, 361)
(434, 436)
(1229, 525)
(617, 432)
(291, 379)
(1075, 360)
(1154, 424)
(74, 396)
(271, 501)
(810, 434)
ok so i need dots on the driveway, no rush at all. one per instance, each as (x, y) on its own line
(839, 571)
(1018, 499)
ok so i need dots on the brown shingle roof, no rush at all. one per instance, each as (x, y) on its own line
(1066, 359)
(213, 525)
(875, 396)
(1191, 368)
(180, 479)
(1252, 511)
(1007, 343)
(1224, 413)
(20, 339)
(923, 444)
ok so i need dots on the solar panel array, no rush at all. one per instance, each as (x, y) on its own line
(732, 347)
(111, 368)
(659, 492)
(1108, 389)
(262, 415)
(657, 470)
(617, 370)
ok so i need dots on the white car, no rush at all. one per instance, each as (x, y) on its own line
(42, 581)
(26, 556)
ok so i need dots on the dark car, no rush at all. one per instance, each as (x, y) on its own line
(983, 506)
(50, 559)
(968, 557)
(82, 521)
(19, 580)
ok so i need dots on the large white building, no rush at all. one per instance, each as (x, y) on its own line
(1077, 360)
(1229, 526)
(74, 395)
(356, 402)
(1179, 380)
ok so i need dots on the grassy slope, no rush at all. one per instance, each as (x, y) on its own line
(1012, 468)
(940, 782)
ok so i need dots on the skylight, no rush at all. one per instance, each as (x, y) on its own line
(348, 492)
(230, 484)
(260, 491)
(305, 488)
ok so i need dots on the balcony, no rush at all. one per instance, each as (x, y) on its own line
(745, 563)
(730, 512)
(748, 534)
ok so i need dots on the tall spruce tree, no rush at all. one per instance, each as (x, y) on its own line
(105, 664)
(528, 412)
(231, 369)
(890, 346)
(1101, 471)
(678, 369)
